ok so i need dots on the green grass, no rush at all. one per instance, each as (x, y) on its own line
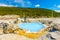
(28, 12)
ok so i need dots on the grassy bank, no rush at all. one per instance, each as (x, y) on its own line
(28, 12)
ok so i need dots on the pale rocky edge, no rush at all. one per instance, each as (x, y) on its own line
(55, 35)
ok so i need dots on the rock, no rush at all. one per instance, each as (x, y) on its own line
(13, 37)
(57, 26)
(45, 37)
(50, 36)
(1, 30)
(55, 35)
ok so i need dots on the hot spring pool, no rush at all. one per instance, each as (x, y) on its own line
(32, 27)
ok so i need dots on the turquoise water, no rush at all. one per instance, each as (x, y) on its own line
(32, 27)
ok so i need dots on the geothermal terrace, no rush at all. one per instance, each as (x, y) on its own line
(9, 30)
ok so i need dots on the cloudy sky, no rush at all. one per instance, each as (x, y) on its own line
(49, 4)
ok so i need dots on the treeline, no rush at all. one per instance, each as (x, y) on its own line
(28, 12)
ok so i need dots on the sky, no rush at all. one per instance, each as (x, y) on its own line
(49, 4)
